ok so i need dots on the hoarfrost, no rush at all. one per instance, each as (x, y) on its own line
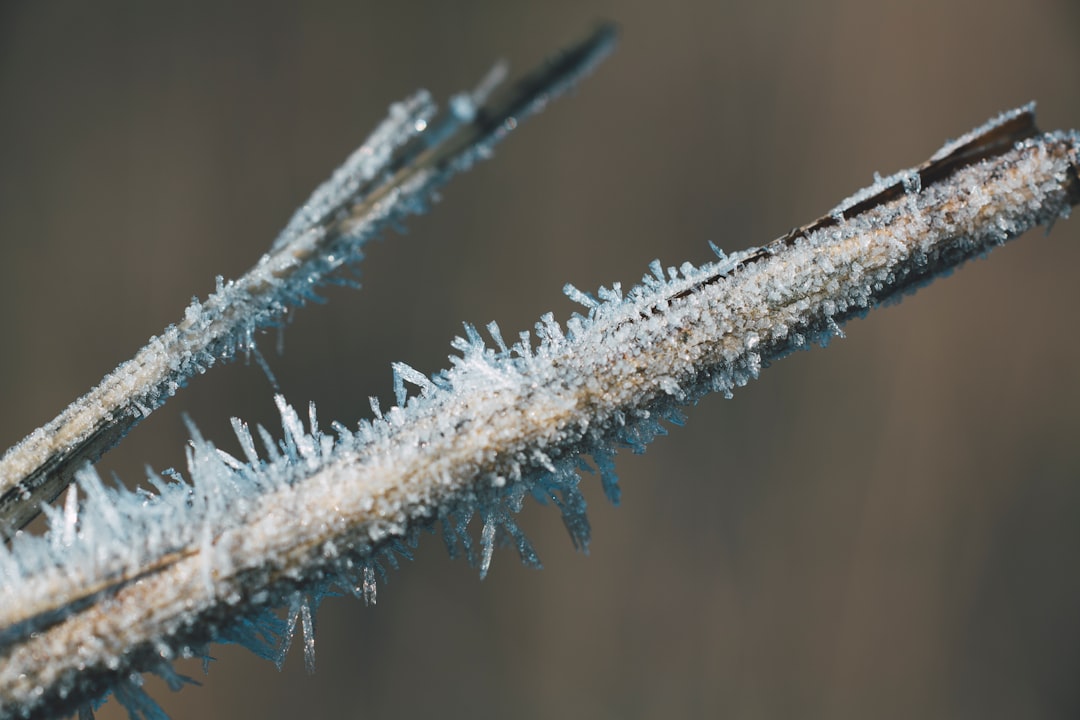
(206, 559)
(394, 174)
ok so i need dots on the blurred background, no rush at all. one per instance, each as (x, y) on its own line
(886, 528)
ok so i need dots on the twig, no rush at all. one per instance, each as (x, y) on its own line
(134, 581)
(394, 174)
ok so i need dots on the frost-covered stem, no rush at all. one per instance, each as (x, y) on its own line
(96, 600)
(393, 175)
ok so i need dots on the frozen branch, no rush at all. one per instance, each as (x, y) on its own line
(134, 580)
(394, 174)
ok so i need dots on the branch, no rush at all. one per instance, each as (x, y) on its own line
(394, 174)
(135, 580)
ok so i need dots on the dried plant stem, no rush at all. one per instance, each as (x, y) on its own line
(393, 175)
(505, 422)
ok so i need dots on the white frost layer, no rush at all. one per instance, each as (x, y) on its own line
(502, 422)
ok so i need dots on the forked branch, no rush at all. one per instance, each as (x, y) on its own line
(394, 174)
(130, 581)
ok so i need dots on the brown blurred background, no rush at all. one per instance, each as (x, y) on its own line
(887, 528)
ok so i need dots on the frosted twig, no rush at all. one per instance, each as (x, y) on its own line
(394, 174)
(136, 580)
